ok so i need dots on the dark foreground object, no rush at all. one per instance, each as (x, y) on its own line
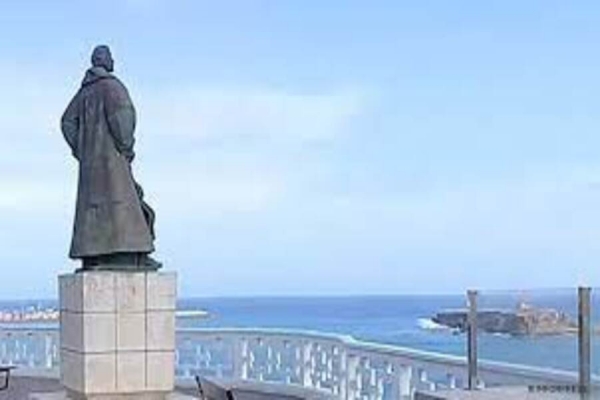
(5, 371)
(218, 389)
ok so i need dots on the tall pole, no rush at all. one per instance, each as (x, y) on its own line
(584, 331)
(472, 339)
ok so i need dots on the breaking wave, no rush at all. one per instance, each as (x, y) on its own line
(430, 325)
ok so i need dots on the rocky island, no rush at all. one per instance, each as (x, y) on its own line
(525, 320)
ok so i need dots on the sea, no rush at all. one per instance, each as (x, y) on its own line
(398, 320)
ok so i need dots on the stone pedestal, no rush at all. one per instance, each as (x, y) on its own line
(117, 334)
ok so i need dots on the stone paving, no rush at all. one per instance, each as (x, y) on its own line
(504, 393)
(21, 387)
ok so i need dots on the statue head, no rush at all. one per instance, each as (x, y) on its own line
(101, 57)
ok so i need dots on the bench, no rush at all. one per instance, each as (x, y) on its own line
(221, 389)
(5, 370)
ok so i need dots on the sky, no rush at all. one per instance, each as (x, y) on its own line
(319, 148)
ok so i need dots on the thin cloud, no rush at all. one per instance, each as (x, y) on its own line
(249, 114)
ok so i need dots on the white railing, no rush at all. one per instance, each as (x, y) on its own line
(34, 350)
(338, 364)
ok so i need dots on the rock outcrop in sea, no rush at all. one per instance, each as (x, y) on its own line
(525, 320)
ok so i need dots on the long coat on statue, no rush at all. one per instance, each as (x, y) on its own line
(111, 216)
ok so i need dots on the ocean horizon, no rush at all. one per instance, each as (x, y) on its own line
(402, 320)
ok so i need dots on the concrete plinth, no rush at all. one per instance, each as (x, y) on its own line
(117, 334)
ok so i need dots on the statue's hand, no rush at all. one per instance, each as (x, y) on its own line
(74, 153)
(129, 155)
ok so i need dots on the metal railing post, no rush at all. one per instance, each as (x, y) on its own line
(584, 330)
(472, 339)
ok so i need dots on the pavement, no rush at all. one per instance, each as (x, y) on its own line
(508, 393)
(21, 387)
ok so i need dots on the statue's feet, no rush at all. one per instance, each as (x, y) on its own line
(150, 263)
(126, 262)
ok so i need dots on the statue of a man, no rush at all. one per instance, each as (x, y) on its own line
(114, 227)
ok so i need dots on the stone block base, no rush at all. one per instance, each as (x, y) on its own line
(117, 334)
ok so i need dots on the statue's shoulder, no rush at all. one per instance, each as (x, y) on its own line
(112, 82)
(115, 89)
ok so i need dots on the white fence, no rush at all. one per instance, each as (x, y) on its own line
(339, 364)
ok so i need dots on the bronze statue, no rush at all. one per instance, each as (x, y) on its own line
(114, 226)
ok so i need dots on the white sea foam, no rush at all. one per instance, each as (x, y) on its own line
(430, 325)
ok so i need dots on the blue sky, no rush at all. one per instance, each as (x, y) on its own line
(320, 148)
